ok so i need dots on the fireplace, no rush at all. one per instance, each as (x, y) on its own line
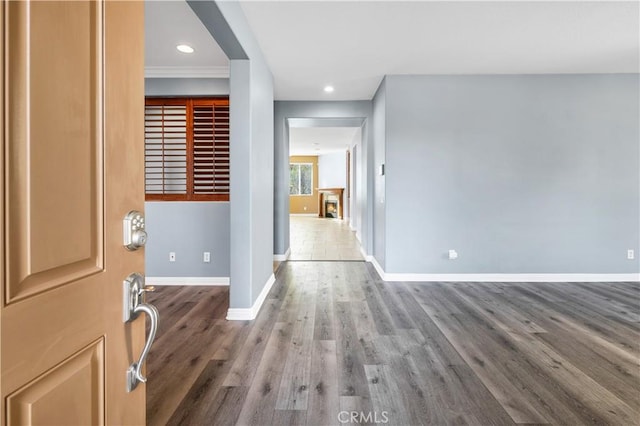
(331, 208)
(334, 195)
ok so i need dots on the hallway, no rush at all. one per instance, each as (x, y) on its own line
(314, 238)
(332, 339)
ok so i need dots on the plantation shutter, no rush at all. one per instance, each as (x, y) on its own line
(187, 149)
(210, 148)
(165, 150)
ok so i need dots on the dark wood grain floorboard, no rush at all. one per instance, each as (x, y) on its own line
(350, 353)
(263, 394)
(247, 359)
(293, 393)
(324, 400)
(334, 344)
(191, 338)
(324, 326)
(197, 402)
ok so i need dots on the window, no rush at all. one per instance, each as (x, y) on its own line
(186, 149)
(301, 179)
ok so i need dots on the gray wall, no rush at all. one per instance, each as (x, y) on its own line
(316, 111)
(379, 140)
(261, 184)
(186, 86)
(188, 229)
(519, 174)
(251, 103)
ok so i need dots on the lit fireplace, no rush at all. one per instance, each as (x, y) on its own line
(331, 208)
(331, 202)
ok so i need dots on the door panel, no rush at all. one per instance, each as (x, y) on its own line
(65, 394)
(73, 108)
(55, 173)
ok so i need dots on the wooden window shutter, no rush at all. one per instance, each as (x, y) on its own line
(187, 149)
(211, 149)
(166, 150)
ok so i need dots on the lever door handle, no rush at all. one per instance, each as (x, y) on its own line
(133, 296)
(134, 373)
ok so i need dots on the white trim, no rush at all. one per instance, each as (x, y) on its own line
(365, 255)
(244, 314)
(282, 257)
(304, 214)
(541, 278)
(187, 280)
(186, 72)
(378, 268)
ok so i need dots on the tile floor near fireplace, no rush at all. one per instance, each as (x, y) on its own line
(314, 238)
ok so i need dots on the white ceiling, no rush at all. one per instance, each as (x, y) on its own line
(320, 140)
(169, 23)
(352, 45)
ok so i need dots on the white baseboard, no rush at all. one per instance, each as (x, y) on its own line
(378, 268)
(187, 280)
(248, 314)
(541, 278)
(367, 257)
(282, 257)
(304, 214)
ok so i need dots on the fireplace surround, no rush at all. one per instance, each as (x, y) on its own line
(333, 194)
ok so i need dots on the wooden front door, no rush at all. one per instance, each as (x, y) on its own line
(71, 123)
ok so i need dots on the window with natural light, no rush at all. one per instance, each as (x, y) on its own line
(301, 179)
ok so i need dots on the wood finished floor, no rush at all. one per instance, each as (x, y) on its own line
(332, 337)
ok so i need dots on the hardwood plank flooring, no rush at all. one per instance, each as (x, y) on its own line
(334, 344)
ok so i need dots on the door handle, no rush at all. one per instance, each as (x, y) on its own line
(134, 290)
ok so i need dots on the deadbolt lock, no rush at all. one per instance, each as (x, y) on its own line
(134, 235)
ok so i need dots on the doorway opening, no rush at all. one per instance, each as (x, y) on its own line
(188, 173)
(322, 208)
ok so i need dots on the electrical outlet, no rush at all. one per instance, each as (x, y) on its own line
(631, 254)
(172, 256)
(206, 257)
(453, 254)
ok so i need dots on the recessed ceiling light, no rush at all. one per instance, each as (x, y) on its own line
(184, 48)
(328, 89)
